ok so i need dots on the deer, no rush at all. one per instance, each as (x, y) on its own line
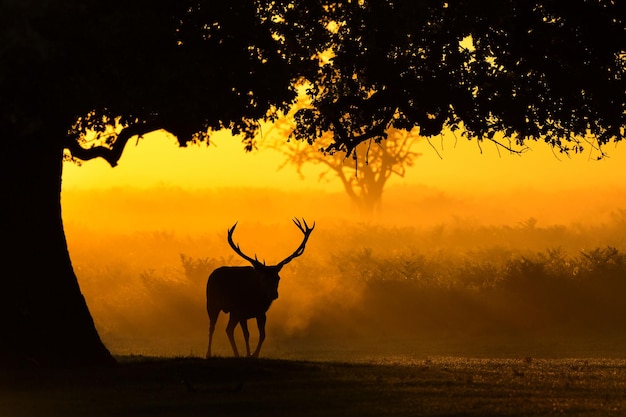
(246, 292)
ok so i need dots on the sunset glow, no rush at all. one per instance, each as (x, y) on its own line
(447, 162)
(139, 232)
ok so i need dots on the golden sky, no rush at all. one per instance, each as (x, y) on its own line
(458, 164)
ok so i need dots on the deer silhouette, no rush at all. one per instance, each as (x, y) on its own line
(246, 292)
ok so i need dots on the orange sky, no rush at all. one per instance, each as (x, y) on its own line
(127, 250)
(156, 160)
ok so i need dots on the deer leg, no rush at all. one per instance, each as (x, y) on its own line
(230, 332)
(212, 321)
(260, 321)
(246, 335)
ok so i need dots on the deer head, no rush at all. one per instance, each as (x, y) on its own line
(270, 272)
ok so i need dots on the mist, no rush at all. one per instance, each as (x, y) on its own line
(520, 273)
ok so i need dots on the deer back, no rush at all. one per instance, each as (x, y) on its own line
(243, 290)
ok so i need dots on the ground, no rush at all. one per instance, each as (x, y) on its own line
(443, 386)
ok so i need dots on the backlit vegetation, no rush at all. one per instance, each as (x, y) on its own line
(365, 290)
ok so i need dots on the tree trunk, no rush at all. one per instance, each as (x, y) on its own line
(369, 206)
(44, 320)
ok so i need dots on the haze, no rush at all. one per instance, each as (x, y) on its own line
(144, 236)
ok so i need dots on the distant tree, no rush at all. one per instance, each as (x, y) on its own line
(363, 175)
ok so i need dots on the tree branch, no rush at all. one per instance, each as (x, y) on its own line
(433, 146)
(113, 154)
(350, 141)
(508, 148)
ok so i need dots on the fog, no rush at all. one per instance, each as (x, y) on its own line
(519, 273)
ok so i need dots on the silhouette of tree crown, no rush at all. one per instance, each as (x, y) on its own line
(528, 70)
(98, 74)
(544, 70)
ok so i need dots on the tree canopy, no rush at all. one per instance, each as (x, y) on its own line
(182, 66)
(544, 69)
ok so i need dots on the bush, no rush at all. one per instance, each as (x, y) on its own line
(364, 282)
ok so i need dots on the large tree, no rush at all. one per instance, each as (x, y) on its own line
(548, 69)
(85, 76)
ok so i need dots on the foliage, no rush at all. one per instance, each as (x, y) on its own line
(125, 69)
(550, 70)
(198, 269)
(544, 70)
(360, 285)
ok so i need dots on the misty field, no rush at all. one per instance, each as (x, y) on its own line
(500, 312)
(361, 291)
(246, 387)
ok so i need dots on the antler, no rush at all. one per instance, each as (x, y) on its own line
(306, 230)
(237, 250)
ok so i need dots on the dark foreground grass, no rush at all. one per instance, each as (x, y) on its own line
(231, 387)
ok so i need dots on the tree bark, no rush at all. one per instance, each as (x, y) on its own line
(44, 319)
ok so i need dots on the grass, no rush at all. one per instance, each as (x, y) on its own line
(442, 386)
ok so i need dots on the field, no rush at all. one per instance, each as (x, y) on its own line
(515, 316)
(440, 386)
(361, 289)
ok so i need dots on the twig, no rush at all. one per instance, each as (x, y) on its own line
(480, 148)
(456, 139)
(433, 146)
(555, 155)
(508, 148)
